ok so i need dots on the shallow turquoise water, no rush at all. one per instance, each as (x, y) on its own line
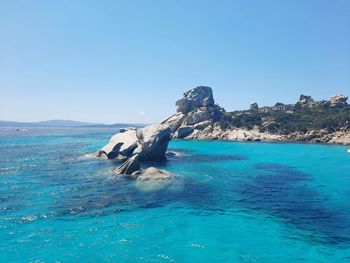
(229, 202)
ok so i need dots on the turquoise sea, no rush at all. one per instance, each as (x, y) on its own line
(228, 202)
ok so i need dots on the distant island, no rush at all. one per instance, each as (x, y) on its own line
(65, 123)
(308, 120)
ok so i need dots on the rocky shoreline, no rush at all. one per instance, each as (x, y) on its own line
(199, 118)
(241, 135)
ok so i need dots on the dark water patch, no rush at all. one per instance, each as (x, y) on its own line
(283, 193)
(101, 198)
(191, 156)
(207, 158)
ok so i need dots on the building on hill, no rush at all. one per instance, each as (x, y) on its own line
(278, 107)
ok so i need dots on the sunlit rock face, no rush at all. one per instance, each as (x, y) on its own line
(150, 143)
(338, 99)
(196, 114)
(201, 96)
(137, 145)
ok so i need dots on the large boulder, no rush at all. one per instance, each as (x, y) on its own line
(183, 132)
(196, 112)
(254, 106)
(150, 143)
(121, 145)
(338, 99)
(305, 101)
(154, 174)
(153, 142)
(197, 116)
(174, 121)
(201, 96)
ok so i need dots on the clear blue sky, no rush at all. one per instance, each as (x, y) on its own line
(129, 61)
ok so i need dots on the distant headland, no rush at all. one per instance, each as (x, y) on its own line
(308, 120)
(65, 124)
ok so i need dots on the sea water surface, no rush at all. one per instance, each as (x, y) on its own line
(228, 202)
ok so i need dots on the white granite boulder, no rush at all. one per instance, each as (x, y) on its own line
(153, 142)
(201, 96)
(120, 145)
(150, 143)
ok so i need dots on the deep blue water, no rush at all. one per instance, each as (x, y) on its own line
(228, 202)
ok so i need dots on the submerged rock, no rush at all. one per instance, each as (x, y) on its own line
(174, 121)
(147, 144)
(154, 174)
(305, 101)
(153, 179)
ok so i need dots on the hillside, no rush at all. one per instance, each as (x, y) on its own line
(198, 117)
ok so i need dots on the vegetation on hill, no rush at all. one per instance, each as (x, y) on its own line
(299, 119)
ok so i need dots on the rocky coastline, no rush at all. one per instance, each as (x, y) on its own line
(197, 117)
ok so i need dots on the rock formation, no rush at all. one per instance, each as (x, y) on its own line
(338, 99)
(254, 106)
(137, 145)
(196, 112)
(130, 166)
(201, 96)
(197, 117)
(305, 101)
(149, 143)
(121, 146)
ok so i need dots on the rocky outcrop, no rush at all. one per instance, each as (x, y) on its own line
(305, 101)
(340, 137)
(321, 136)
(153, 142)
(135, 146)
(199, 118)
(150, 143)
(215, 132)
(201, 96)
(174, 121)
(202, 122)
(183, 131)
(121, 145)
(338, 100)
(196, 112)
(254, 106)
